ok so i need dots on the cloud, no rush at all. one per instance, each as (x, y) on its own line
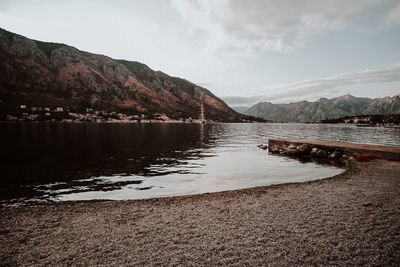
(320, 87)
(258, 24)
(394, 14)
(246, 101)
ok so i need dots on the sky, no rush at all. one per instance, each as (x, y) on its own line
(244, 51)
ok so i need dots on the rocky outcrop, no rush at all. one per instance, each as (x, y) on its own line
(289, 149)
(324, 109)
(306, 150)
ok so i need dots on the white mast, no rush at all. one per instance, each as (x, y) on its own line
(202, 117)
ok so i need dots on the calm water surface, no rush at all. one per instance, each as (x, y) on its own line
(56, 162)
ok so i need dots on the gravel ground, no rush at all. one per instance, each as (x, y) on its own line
(350, 219)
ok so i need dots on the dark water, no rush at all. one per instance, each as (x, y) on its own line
(55, 161)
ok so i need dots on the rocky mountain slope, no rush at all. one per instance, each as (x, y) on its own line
(324, 108)
(52, 74)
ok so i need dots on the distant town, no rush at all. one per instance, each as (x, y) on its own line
(366, 120)
(62, 114)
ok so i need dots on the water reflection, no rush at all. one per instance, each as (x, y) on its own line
(45, 161)
(60, 154)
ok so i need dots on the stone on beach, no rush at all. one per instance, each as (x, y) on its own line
(291, 150)
(303, 149)
(274, 149)
(335, 155)
(316, 152)
(263, 146)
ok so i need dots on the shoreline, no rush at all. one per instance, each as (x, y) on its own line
(346, 171)
(349, 219)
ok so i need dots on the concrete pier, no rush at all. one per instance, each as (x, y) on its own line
(377, 151)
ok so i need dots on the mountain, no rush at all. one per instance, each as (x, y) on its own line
(241, 110)
(325, 108)
(54, 74)
(386, 105)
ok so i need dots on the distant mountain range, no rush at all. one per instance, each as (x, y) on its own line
(39, 73)
(325, 108)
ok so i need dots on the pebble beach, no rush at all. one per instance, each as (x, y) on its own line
(349, 219)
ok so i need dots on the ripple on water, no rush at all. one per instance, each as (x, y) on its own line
(55, 162)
